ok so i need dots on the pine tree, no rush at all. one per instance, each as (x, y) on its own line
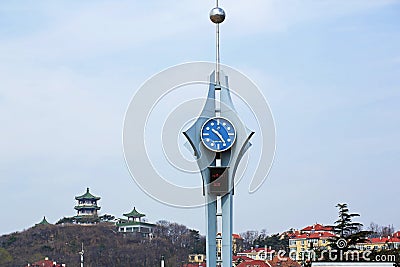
(348, 233)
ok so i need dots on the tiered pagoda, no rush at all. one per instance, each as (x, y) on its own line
(87, 208)
(135, 224)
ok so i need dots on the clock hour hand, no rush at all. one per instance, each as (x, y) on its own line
(218, 134)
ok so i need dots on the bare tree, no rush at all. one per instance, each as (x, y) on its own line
(248, 238)
(380, 230)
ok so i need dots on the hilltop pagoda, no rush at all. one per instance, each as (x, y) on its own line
(135, 224)
(43, 222)
(87, 208)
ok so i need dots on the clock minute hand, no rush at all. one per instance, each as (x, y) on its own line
(218, 134)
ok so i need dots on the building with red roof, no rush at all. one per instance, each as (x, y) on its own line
(283, 262)
(379, 243)
(46, 263)
(243, 258)
(254, 263)
(317, 228)
(308, 238)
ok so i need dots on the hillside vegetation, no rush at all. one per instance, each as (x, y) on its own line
(102, 244)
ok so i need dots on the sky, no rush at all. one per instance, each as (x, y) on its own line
(330, 71)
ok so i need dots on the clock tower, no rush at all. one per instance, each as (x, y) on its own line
(219, 139)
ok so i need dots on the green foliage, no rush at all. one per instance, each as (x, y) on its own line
(5, 257)
(346, 229)
(82, 220)
(11, 239)
(344, 226)
(65, 220)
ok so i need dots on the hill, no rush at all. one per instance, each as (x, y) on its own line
(102, 244)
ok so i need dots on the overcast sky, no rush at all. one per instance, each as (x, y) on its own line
(329, 69)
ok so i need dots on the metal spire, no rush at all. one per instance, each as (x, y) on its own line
(217, 15)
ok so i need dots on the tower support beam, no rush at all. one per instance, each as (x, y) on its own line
(227, 231)
(211, 240)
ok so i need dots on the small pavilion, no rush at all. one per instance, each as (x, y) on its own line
(135, 224)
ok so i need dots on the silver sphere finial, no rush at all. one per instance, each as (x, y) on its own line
(217, 15)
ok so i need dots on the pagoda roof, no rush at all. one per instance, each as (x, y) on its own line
(43, 222)
(92, 207)
(87, 195)
(134, 213)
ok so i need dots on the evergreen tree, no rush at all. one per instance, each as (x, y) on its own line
(348, 233)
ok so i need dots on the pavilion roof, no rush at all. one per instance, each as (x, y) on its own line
(43, 222)
(87, 195)
(134, 213)
(92, 207)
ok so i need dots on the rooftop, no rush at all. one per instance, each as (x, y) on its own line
(245, 258)
(87, 195)
(46, 263)
(389, 239)
(313, 235)
(254, 263)
(134, 214)
(43, 222)
(278, 261)
(91, 207)
(317, 227)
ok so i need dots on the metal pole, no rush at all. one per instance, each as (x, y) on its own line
(211, 215)
(227, 218)
(162, 261)
(81, 253)
(217, 67)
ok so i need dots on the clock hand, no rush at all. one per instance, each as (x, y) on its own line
(218, 134)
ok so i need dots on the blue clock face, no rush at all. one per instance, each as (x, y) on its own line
(218, 134)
